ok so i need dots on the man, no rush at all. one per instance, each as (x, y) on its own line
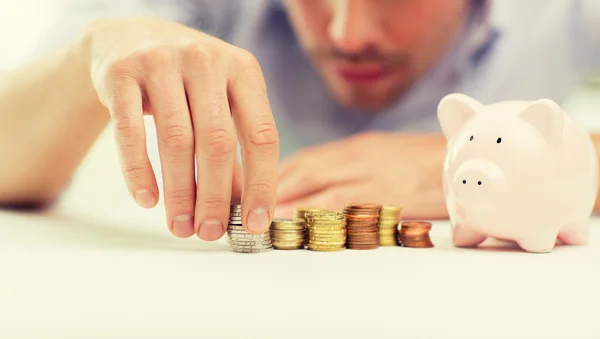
(351, 106)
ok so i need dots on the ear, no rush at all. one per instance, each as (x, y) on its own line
(547, 118)
(453, 112)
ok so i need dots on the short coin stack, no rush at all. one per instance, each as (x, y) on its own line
(326, 231)
(287, 234)
(300, 213)
(241, 241)
(415, 234)
(362, 226)
(389, 218)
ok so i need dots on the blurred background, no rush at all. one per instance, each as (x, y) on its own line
(23, 22)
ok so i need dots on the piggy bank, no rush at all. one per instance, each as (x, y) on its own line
(521, 171)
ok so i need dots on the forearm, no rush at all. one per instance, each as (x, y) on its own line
(49, 118)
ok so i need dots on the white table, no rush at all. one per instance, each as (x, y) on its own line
(97, 266)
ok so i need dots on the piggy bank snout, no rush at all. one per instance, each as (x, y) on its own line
(475, 182)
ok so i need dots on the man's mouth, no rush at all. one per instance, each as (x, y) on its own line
(359, 74)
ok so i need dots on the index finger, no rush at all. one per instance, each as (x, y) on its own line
(259, 142)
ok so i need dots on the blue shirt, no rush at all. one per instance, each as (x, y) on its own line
(509, 49)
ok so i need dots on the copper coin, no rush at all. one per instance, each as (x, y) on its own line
(419, 224)
(364, 206)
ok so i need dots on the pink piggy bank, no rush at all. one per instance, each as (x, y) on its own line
(520, 171)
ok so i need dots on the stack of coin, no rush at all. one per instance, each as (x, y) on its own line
(389, 218)
(326, 231)
(288, 234)
(415, 234)
(362, 226)
(300, 213)
(241, 241)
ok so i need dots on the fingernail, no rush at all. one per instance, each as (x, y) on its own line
(211, 230)
(258, 220)
(183, 226)
(145, 198)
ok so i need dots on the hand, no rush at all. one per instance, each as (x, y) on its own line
(383, 168)
(192, 84)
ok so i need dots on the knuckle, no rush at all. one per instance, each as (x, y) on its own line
(120, 69)
(247, 60)
(219, 143)
(212, 202)
(261, 187)
(157, 58)
(126, 130)
(134, 172)
(178, 139)
(202, 56)
(264, 135)
(309, 180)
(180, 197)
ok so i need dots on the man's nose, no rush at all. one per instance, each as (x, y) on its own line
(355, 25)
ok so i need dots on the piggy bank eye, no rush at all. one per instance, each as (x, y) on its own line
(471, 138)
(499, 140)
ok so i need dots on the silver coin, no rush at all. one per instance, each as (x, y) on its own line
(257, 243)
(252, 251)
(248, 239)
(250, 248)
(247, 236)
(235, 223)
(235, 214)
(250, 243)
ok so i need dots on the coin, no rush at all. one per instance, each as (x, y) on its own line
(362, 221)
(415, 234)
(325, 230)
(241, 241)
(288, 234)
(387, 226)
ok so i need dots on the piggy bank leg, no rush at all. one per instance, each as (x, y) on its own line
(465, 237)
(575, 235)
(542, 243)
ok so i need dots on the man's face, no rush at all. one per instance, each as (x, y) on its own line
(370, 51)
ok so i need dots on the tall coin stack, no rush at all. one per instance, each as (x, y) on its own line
(415, 234)
(242, 242)
(362, 222)
(326, 231)
(288, 234)
(300, 213)
(389, 218)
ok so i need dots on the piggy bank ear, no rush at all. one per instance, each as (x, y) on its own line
(454, 110)
(547, 118)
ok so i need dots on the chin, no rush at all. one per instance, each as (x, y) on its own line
(361, 100)
(373, 98)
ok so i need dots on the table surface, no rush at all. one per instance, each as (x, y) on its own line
(97, 266)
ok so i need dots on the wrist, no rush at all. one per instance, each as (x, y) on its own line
(78, 61)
